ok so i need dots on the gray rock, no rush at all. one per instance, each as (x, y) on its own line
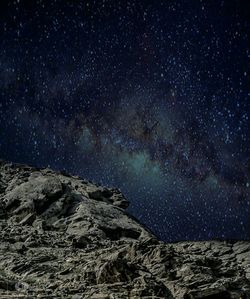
(28, 220)
(64, 237)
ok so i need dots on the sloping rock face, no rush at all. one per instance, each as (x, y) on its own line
(64, 237)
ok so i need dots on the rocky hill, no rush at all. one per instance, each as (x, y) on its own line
(64, 237)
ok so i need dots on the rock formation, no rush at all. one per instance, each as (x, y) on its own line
(65, 237)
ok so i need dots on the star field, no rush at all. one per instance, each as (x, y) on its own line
(148, 96)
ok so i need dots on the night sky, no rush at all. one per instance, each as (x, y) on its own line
(152, 97)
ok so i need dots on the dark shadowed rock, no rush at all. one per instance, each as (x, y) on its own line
(64, 237)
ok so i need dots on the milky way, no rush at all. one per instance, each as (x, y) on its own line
(151, 97)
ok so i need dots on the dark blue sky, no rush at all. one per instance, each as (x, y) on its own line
(149, 96)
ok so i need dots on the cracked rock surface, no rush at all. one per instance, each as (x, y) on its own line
(64, 237)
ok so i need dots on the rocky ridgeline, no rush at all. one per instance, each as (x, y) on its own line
(65, 237)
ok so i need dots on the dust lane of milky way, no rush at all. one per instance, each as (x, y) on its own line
(150, 97)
